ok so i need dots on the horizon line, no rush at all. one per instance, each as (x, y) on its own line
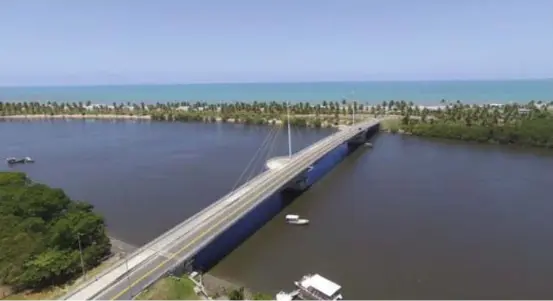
(268, 82)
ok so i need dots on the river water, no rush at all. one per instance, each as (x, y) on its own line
(411, 218)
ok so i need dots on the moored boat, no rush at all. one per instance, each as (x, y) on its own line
(317, 287)
(299, 221)
(294, 219)
(13, 160)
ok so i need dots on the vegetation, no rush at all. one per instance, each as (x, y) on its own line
(170, 288)
(526, 125)
(241, 294)
(261, 296)
(237, 294)
(529, 124)
(43, 233)
(303, 114)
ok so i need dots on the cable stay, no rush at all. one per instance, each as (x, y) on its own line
(268, 138)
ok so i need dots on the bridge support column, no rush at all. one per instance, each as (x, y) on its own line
(362, 137)
(357, 140)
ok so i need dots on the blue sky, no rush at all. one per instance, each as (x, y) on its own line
(186, 41)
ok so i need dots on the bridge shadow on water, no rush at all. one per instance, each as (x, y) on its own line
(253, 220)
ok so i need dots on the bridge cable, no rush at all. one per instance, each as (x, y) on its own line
(271, 140)
(269, 151)
(253, 159)
(268, 148)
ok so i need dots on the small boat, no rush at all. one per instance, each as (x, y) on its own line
(299, 221)
(12, 160)
(294, 219)
(317, 287)
(290, 217)
(368, 144)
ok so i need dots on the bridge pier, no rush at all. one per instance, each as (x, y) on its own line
(362, 137)
(357, 140)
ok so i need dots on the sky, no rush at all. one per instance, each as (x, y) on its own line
(68, 42)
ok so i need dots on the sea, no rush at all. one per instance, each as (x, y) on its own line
(419, 92)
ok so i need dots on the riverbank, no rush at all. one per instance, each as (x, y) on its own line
(201, 287)
(75, 116)
(304, 120)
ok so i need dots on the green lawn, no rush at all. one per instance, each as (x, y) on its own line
(170, 288)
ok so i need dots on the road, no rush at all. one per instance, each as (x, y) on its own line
(151, 262)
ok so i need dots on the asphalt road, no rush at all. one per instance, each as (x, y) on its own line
(182, 242)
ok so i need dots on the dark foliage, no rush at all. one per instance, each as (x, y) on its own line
(41, 227)
(528, 125)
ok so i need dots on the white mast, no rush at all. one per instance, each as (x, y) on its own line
(353, 117)
(289, 135)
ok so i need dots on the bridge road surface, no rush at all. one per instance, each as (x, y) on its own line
(147, 265)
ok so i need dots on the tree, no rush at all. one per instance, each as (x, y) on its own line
(261, 296)
(237, 294)
(41, 227)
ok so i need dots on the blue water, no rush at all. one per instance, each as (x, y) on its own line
(427, 92)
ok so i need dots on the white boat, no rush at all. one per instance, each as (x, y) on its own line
(319, 288)
(290, 217)
(296, 220)
(299, 221)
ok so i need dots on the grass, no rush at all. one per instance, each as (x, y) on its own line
(390, 124)
(170, 288)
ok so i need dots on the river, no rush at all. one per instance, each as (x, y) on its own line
(409, 219)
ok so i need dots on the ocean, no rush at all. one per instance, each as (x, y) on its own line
(419, 92)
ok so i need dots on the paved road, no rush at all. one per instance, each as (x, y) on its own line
(151, 262)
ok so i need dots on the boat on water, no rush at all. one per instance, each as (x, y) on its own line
(294, 219)
(317, 287)
(13, 160)
(312, 287)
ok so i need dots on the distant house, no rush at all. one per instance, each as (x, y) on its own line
(183, 108)
(435, 108)
(523, 111)
(93, 107)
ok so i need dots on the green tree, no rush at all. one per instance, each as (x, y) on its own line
(41, 227)
(237, 294)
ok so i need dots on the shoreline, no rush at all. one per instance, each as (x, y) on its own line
(75, 116)
(309, 120)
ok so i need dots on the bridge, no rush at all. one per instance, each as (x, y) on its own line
(128, 277)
